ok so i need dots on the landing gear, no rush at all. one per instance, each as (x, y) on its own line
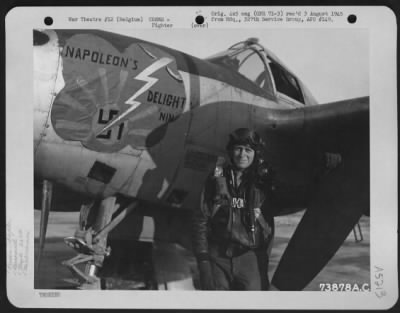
(90, 241)
(47, 194)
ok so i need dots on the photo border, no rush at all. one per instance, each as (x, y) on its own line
(383, 137)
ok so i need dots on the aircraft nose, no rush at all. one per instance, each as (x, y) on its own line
(46, 79)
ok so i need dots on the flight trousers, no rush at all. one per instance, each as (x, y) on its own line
(247, 271)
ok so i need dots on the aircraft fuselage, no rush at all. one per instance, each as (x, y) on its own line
(129, 117)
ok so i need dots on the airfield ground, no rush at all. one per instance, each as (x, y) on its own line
(351, 264)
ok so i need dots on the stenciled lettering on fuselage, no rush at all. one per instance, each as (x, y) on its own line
(99, 57)
(135, 93)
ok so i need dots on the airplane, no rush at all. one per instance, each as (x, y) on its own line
(127, 127)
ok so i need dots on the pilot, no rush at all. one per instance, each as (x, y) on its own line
(233, 228)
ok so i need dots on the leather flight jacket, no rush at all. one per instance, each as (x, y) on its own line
(223, 224)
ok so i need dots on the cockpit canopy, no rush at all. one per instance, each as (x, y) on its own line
(253, 61)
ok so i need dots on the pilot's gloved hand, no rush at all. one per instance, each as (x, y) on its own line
(206, 277)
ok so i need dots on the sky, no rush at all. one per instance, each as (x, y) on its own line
(332, 63)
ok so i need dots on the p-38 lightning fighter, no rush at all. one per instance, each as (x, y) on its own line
(121, 118)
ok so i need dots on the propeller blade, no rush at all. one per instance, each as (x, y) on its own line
(337, 195)
(330, 217)
(47, 192)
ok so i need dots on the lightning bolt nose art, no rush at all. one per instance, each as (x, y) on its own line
(114, 98)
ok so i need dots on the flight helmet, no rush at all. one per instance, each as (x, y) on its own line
(245, 136)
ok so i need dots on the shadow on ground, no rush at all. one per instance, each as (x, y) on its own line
(351, 264)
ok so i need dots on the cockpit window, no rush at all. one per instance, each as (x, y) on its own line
(285, 83)
(249, 59)
(248, 63)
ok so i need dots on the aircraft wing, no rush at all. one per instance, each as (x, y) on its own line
(335, 199)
